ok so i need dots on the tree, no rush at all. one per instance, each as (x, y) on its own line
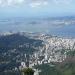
(27, 71)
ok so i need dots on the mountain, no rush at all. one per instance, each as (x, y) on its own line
(13, 48)
(39, 48)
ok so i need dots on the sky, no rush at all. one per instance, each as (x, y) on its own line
(37, 8)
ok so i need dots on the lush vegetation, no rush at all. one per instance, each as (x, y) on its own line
(58, 69)
(13, 49)
(67, 67)
(11, 53)
(28, 71)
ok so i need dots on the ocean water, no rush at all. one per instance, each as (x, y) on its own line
(27, 26)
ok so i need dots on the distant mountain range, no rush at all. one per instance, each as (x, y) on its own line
(60, 26)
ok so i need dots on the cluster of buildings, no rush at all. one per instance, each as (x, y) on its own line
(54, 49)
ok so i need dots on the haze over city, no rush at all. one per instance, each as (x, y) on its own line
(37, 37)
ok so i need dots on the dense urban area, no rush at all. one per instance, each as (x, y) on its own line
(38, 51)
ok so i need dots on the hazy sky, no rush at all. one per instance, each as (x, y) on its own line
(36, 8)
